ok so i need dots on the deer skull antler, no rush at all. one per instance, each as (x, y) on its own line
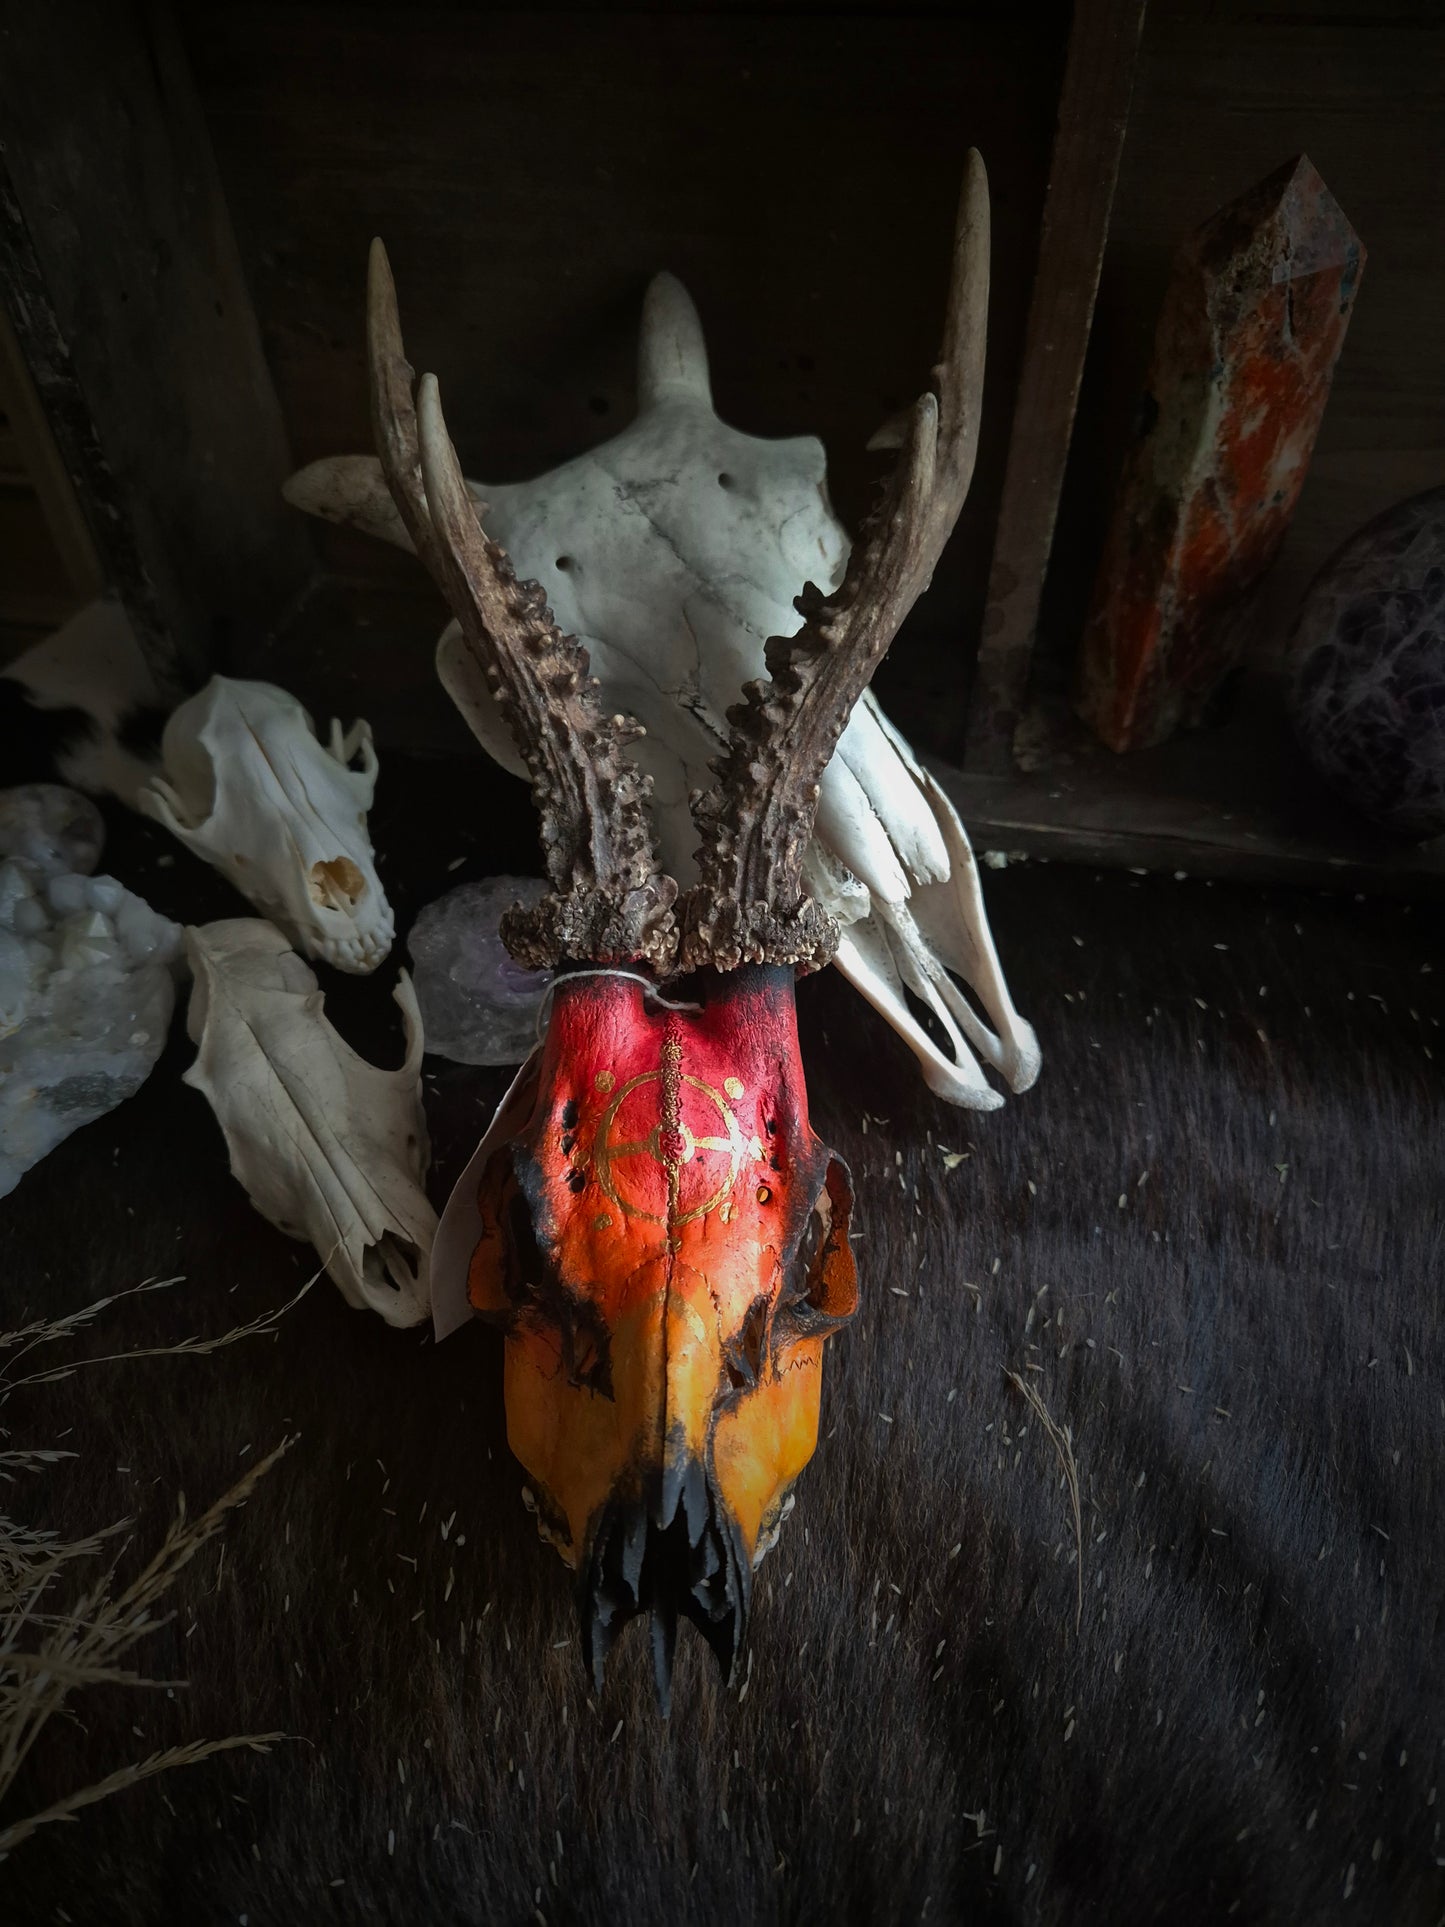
(750, 903)
(652, 1220)
(611, 901)
(673, 550)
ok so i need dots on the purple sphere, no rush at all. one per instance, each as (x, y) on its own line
(1369, 687)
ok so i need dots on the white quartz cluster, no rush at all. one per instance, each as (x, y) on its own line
(86, 993)
(50, 828)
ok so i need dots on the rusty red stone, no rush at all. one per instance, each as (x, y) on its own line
(1244, 354)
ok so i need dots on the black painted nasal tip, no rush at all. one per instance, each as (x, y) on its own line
(690, 1567)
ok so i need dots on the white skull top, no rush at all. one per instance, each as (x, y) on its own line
(249, 788)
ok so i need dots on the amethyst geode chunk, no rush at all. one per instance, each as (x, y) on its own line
(1369, 685)
(477, 1005)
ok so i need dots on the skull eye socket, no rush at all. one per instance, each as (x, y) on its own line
(586, 1354)
(537, 1295)
(337, 884)
(822, 1288)
(527, 1268)
(743, 1356)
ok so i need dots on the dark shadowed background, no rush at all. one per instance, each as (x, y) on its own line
(1211, 1240)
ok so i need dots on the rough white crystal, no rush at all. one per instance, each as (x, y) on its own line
(86, 992)
(479, 1007)
(50, 828)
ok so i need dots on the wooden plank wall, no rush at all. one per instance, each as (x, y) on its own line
(529, 172)
(1093, 117)
(121, 279)
(48, 560)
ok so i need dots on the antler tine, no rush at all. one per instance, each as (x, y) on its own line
(958, 376)
(611, 904)
(757, 821)
(393, 417)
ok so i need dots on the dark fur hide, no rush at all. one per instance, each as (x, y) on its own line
(1246, 1343)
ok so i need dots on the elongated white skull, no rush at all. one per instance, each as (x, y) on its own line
(249, 788)
(329, 1148)
(674, 551)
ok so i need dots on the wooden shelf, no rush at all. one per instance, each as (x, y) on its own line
(1239, 800)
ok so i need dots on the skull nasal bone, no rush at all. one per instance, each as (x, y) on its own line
(337, 885)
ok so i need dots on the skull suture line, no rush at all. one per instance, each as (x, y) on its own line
(646, 1202)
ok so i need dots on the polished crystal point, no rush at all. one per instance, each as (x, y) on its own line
(1251, 329)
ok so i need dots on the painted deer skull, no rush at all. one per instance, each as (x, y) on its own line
(250, 789)
(654, 1224)
(665, 1242)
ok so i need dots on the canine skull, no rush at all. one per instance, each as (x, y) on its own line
(249, 788)
(328, 1147)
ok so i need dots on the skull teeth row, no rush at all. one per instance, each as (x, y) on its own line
(361, 952)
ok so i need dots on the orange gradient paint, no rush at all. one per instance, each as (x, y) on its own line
(665, 1244)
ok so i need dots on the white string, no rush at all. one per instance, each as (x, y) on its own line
(632, 976)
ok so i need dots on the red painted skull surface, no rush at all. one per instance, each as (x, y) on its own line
(665, 1244)
(659, 1233)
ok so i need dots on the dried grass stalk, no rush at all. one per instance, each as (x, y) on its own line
(128, 1776)
(1062, 1441)
(48, 1651)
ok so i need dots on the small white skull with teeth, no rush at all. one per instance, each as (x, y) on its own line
(250, 788)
